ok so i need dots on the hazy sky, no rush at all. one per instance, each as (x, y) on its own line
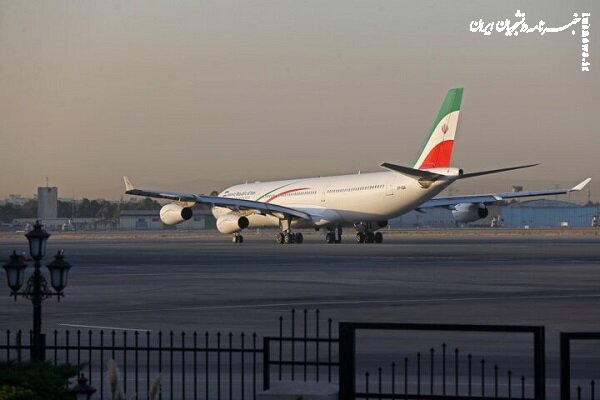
(197, 95)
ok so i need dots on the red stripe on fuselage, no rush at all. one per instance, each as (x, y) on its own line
(282, 193)
(439, 156)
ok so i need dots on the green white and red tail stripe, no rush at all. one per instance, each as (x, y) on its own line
(438, 148)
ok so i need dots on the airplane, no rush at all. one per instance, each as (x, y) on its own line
(363, 201)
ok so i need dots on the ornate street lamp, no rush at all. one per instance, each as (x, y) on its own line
(37, 238)
(82, 391)
(15, 272)
(59, 272)
(37, 288)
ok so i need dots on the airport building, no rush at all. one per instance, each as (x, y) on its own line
(150, 220)
(47, 203)
(547, 214)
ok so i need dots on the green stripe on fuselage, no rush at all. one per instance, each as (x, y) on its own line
(274, 190)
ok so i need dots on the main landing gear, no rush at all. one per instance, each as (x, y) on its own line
(369, 237)
(237, 238)
(286, 236)
(289, 237)
(334, 236)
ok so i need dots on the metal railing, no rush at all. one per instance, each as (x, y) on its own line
(587, 390)
(307, 348)
(419, 383)
(301, 354)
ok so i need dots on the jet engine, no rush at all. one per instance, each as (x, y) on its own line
(469, 212)
(231, 223)
(173, 213)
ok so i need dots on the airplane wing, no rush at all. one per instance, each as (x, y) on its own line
(257, 207)
(491, 198)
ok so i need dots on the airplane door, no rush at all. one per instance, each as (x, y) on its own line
(323, 193)
(389, 186)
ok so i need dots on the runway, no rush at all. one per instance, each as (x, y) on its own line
(207, 283)
(212, 283)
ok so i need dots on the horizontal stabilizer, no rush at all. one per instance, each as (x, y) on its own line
(412, 172)
(493, 171)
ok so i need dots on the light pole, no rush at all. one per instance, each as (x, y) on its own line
(82, 390)
(37, 288)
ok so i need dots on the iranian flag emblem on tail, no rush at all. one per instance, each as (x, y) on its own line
(438, 148)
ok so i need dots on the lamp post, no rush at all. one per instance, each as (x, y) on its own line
(82, 390)
(37, 288)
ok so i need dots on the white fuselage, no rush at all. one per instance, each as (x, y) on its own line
(336, 200)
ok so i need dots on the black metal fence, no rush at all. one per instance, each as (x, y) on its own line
(307, 358)
(192, 366)
(309, 348)
(585, 386)
(457, 376)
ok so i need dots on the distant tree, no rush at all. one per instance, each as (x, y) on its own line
(84, 208)
(106, 211)
(145, 204)
(8, 212)
(29, 209)
(65, 209)
(94, 208)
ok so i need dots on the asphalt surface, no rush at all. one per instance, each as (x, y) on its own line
(210, 284)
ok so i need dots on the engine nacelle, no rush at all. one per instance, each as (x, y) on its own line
(172, 214)
(469, 212)
(231, 223)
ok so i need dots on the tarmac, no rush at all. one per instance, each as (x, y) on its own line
(203, 282)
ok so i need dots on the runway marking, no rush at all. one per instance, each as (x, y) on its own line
(358, 302)
(112, 328)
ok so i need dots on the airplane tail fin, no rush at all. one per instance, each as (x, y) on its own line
(128, 184)
(438, 148)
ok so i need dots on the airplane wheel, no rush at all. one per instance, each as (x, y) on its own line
(369, 237)
(238, 239)
(378, 237)
(280, 237)
(360, 237)
(330, 237)
(288, 238)
(298, 238)
(338, 237)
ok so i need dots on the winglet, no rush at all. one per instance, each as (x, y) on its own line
(581, 185)
(128, 184)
